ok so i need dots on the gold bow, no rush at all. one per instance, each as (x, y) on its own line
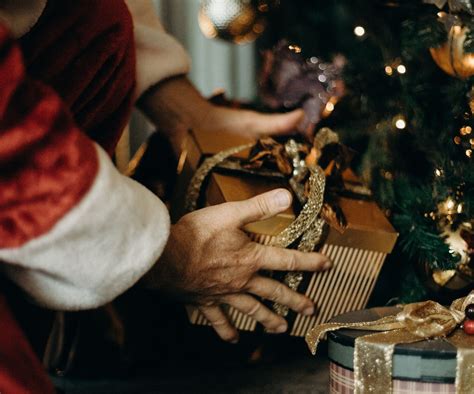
(420, 321)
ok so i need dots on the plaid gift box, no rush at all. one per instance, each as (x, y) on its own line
(422, 367)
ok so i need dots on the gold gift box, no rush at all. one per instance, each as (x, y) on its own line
(358, 253)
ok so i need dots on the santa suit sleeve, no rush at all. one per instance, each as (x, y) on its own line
(159, 55)
(74, 233)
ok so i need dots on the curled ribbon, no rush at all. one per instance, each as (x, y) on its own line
(420, 321)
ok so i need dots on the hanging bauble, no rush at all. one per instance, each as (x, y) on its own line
(446, 285)
(289, 81)
(454, 5)
(451, 56)
(237, 21)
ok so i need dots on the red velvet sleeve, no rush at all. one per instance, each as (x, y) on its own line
(46, 163)
(74, 232)
(20, 370)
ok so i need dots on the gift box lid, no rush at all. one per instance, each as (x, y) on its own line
(426, 361)
(367, 226)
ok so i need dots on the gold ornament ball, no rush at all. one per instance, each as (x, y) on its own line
(451, 57)
(446, 285)
(237, 21)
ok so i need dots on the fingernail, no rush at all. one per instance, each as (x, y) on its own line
(308, 311)
(281, 329)
(282, 198)
(327, 265)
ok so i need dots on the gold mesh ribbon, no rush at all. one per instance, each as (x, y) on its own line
(308, 225)
(420, 321)
(194, 188)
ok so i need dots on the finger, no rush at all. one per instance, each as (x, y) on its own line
(220, 323)
(255, 309)
(277, 292)
(274, 258)
(274, 124)
(259, 207)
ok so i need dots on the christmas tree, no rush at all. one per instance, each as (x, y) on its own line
(407, 109)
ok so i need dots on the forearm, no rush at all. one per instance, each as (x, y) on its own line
(175, 106)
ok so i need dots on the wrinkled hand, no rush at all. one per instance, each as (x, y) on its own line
(175, 106)
(210, 261)
(250, 123)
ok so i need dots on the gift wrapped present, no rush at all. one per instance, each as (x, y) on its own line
(417, 348)
(357, 239)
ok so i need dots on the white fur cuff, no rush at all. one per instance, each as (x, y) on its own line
(159, 56)
(99, 249)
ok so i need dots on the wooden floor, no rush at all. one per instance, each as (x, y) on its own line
(165, 354)
(295, 377)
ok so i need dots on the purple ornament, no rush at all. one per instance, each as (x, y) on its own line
(289, 81)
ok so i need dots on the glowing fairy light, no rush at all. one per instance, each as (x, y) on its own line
(400, 122)
(329, 107)
(359, 31)
(401, 69)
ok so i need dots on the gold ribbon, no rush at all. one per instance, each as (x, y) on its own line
(373, 354)
(194, 188)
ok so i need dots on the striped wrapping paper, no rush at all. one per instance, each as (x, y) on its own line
(346, 287)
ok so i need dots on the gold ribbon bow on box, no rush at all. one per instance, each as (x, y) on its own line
(300, 162)
(373, 353)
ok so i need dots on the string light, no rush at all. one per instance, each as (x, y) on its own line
(457, 140)
(294, 48)
(395, 66)
(386, 174)
(400, 122)
(469, 153)
(329, 107)
(388, 70)
(401, 69)
(449, 208)
(466, 130)
(450, 204)
(438, 172)
(359, 31)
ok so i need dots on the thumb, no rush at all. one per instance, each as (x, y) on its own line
(260, 207)
(275, 124)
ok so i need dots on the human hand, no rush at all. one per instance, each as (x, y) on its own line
(251, 124)
(175, 106)
(209, 261)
